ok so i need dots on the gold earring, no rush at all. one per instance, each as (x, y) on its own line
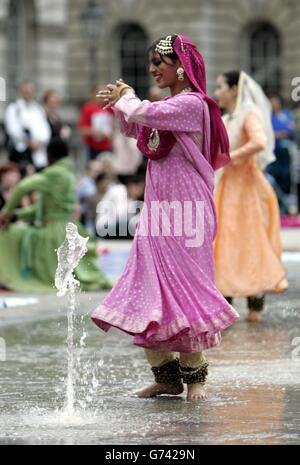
(180, 74)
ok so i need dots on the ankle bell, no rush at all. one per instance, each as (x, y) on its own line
(194, 375)
(169, 373)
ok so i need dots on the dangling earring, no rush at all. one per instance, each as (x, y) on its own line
(180, 74)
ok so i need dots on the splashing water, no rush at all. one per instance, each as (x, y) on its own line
(69, 255)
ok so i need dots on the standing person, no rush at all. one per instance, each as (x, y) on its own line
(28, 258)
(27, 129)
(247, 246)
(118, 209)
(52, 102)
(86, 186)
(103, 182)
(166, 298)
(281, 168)
(96, 127)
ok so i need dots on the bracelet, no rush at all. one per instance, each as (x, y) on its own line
(124, 88)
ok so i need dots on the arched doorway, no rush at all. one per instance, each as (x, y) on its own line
(264, 55)
(133, 57)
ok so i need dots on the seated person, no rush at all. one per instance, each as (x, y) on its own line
(28, 249)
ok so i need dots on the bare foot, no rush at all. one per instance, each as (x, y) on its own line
(253, 316)
(158, 389)
(196, 392)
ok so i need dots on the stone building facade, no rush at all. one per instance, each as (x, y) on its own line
(54, 42)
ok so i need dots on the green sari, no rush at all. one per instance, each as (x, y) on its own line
(28, 257)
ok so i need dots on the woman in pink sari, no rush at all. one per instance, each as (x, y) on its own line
(166, 297)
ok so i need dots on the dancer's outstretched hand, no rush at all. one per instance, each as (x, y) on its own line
(108, 97)
(113, 92)
(124, 88)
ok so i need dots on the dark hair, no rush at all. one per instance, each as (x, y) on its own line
(47, 95)
(135, 179)
(57, 149)
(24, 82)
(152, 48)
(276, 95)
(102, 176)
(232, 78)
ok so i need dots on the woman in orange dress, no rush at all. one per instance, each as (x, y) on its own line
(247, 248)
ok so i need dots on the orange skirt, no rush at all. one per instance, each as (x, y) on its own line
(247, 247)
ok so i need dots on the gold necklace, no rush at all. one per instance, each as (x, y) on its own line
(186, 89)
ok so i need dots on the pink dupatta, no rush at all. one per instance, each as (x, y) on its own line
(194, 67)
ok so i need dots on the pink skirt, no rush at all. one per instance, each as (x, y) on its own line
(166, 297)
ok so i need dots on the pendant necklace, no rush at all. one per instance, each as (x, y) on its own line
(154, 139)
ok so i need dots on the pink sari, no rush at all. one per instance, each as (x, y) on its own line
(166, 297)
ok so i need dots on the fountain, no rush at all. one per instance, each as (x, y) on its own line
(69, 255)
(253, 388)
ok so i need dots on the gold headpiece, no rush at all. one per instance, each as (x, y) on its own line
(181, 43)
(164, 46)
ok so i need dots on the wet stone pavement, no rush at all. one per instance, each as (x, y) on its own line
(253, 385)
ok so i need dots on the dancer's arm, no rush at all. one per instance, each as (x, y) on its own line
(26, 214)
(127, 129)
(184, 112)
(108, 97)
(35, 183)
(256, 136)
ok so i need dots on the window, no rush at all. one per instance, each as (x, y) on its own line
(133, 58)
(264, 48)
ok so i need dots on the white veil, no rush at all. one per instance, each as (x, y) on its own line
(251, 98)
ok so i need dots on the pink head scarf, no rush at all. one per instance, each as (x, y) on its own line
(194, 67)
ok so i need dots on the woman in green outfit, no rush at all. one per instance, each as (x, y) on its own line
(28, 257)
